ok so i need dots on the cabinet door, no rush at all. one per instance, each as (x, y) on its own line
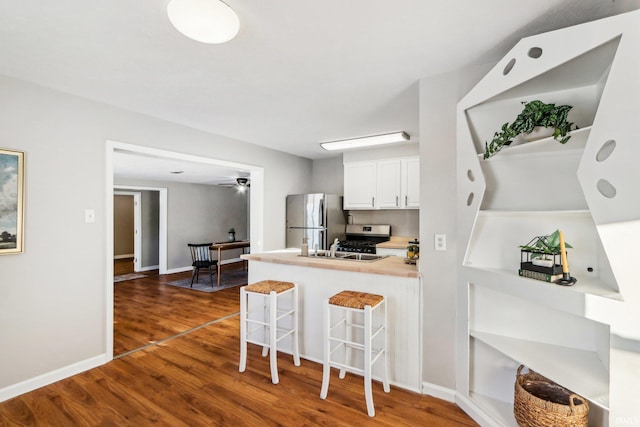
(389, 184)
(411, 183)
(360, 185)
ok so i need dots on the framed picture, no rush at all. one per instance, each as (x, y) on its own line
(11, 202)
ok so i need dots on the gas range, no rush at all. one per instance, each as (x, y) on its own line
(363, 238)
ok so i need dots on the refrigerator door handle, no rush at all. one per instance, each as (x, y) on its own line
(321, 213)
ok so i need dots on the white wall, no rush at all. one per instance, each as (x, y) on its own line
(53, 297)
(439, 96)
(328, 176)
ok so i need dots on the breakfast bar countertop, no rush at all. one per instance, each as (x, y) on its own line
(390, 266)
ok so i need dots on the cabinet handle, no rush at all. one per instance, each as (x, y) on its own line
(372, 201)
(406, 200)
(396, 200)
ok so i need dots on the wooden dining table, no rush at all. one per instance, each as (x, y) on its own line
(224, 246)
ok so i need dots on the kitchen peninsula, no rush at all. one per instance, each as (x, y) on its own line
(319, 278)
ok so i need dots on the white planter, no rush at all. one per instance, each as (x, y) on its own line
(542, 262)
(538, 132)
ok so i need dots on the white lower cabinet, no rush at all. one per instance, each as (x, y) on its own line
(585, 337)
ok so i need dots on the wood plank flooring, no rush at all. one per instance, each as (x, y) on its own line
(190, 377)
(146, 310)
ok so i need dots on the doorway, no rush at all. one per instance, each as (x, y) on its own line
(255, 174)
(127, 233)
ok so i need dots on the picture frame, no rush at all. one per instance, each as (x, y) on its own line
(11, 201)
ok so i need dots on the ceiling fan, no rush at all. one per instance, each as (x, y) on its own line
(240, 182)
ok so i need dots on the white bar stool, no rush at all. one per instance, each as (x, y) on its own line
(350, 302)
(270, 291)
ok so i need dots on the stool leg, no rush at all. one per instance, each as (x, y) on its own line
(243, 329)
(265, 329)
(348, 336)
(273, 333)
(367, 361)
(294, 305)
(326, 370)
(385, 381)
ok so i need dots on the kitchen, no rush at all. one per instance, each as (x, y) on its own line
(67, 315)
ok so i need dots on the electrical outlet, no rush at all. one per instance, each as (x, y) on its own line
(440, 242)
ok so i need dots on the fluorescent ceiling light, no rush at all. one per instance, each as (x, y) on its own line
(366, 141)
(206, 21)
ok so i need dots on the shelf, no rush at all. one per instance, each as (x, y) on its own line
(582, 371)
(543, 146)
(586, 188)
(497, 235)
(509, 282)
(501, 412)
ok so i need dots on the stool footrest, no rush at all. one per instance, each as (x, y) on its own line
(376, 355)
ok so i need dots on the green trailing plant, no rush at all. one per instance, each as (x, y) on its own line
(545, 245)
(535, 113)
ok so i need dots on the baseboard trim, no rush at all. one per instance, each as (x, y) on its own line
(53, 376)
(178, 270)
(123, 256)
(224, 262)
(440, 392)
(474, 411)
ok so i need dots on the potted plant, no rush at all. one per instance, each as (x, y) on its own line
(534, 114)
(232, 234)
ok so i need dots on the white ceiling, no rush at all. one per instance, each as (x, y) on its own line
(298, 73)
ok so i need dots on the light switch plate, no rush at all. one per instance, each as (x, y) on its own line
(89, 215)
(440, 242)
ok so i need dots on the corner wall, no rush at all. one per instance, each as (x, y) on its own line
(439, 96)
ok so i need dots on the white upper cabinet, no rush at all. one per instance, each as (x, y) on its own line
(411, 182)
(389, 184)
(382, 184)
(360, 185)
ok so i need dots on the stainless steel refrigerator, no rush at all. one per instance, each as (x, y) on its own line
(318, 217)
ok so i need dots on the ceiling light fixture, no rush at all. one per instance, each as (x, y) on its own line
(366, 141)
(243, 182)
(206, 21)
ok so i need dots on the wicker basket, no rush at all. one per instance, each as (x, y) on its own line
(539, 402)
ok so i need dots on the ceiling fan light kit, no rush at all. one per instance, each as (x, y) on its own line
(366, 141)
(206, 21)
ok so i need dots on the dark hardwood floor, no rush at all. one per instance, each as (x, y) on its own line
(185, 373)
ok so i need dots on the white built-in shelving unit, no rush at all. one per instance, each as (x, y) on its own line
(585, 337)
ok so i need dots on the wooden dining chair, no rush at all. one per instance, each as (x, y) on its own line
(201, 257)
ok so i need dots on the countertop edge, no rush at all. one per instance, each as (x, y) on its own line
(390, 266)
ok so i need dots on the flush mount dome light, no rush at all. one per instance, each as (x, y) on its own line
(206, 21)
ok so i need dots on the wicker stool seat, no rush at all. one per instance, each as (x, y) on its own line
(339, 335)
(268, 320)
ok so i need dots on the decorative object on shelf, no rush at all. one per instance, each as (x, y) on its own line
(566, 279)
(12, 202)
(541, 258)
(232, 234)
(535, 113)
(539, 402)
